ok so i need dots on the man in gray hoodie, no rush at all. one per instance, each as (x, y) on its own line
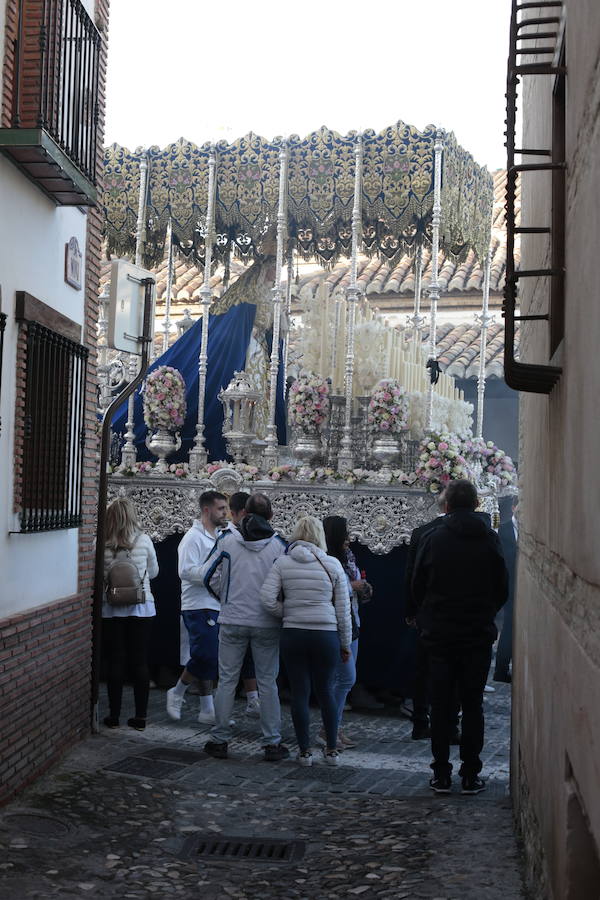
(235, 572)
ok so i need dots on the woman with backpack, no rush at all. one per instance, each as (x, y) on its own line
(308, 590)
(127, 609)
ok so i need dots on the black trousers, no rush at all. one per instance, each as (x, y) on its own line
(126, 640)
(421, 690)
(462, 671)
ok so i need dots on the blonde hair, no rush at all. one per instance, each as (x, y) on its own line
(122, 527)
(309, 529)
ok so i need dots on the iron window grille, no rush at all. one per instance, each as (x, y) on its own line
(2, 327)
(53, 431)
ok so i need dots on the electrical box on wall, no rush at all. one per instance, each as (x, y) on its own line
(126, 306)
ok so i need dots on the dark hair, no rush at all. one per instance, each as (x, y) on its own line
(207, 498)
(237, 501)
(461, 494)
(260, 505)
(336, 533)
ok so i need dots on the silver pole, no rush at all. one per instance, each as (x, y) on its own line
(167, 320)
(345, 456)
(334, 360)
(270, 453)
(288, 312)
(485, 320)
(417, 320)
(198, 454)
(129, 452)
(434, 288)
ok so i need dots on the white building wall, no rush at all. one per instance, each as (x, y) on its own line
(34, 568)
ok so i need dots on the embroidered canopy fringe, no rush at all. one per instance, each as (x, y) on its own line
(397, 195)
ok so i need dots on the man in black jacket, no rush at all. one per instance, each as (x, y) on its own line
(459, 583)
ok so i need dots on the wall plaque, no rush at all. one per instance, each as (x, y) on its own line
(73, 264)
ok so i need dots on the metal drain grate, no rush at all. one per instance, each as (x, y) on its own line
(244, 849)
(168, 754)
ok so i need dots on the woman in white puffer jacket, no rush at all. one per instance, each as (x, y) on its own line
(308, 590)
(126, 629)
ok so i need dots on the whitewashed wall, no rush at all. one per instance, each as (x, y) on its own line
(34, 568)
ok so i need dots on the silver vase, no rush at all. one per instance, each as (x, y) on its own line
(308, 447)
(163, 443)
(385, 450)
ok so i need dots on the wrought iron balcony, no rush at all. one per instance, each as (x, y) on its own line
(54, 93)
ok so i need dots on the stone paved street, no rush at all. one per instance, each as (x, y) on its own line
(129, 815)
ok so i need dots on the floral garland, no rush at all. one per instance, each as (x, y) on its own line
(164, 399)
(309, 402)
(441, 459)
(178, 470)
(388, 408)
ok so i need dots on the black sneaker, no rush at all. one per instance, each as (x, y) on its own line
(275, 752)
(420, 732)
(472, 784)
(441, 784)
(213, 748)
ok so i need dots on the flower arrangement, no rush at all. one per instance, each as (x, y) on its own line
(309, 402)
(388, 408)
(164, 399)
(498, 465)
(441, 459)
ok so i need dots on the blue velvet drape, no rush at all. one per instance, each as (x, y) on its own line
(228, 339)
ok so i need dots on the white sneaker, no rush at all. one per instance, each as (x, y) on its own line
(305, 759)
(331, 757)
(253, 708)
(174, 704)
(206, 718)
(488, 689)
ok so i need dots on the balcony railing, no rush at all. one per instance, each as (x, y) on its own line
(55, 98)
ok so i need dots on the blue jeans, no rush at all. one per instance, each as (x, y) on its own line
(234, 641)
(311, 656)
(344, 678)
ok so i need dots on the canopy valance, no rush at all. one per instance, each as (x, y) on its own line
(397, 191)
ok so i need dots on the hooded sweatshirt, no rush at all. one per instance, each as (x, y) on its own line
(459, 582)
(308, 589)
(236, 570)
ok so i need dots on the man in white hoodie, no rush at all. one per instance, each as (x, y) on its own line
(235, 572)
(199, 608)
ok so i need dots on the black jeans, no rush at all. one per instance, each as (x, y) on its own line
(126, 640)
(463, 671)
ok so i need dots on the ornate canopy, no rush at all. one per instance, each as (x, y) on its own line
(397, 190)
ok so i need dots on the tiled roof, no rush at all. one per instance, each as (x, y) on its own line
(458, 349)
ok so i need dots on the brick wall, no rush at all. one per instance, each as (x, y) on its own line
(45, 653)
(44, 688)
(6, 114)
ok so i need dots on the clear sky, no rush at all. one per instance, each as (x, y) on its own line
(207, 71)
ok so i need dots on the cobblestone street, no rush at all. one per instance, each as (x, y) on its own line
(133, 815)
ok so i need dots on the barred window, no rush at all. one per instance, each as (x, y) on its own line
(53, 431)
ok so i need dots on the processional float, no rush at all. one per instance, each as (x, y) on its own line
(321, 197)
